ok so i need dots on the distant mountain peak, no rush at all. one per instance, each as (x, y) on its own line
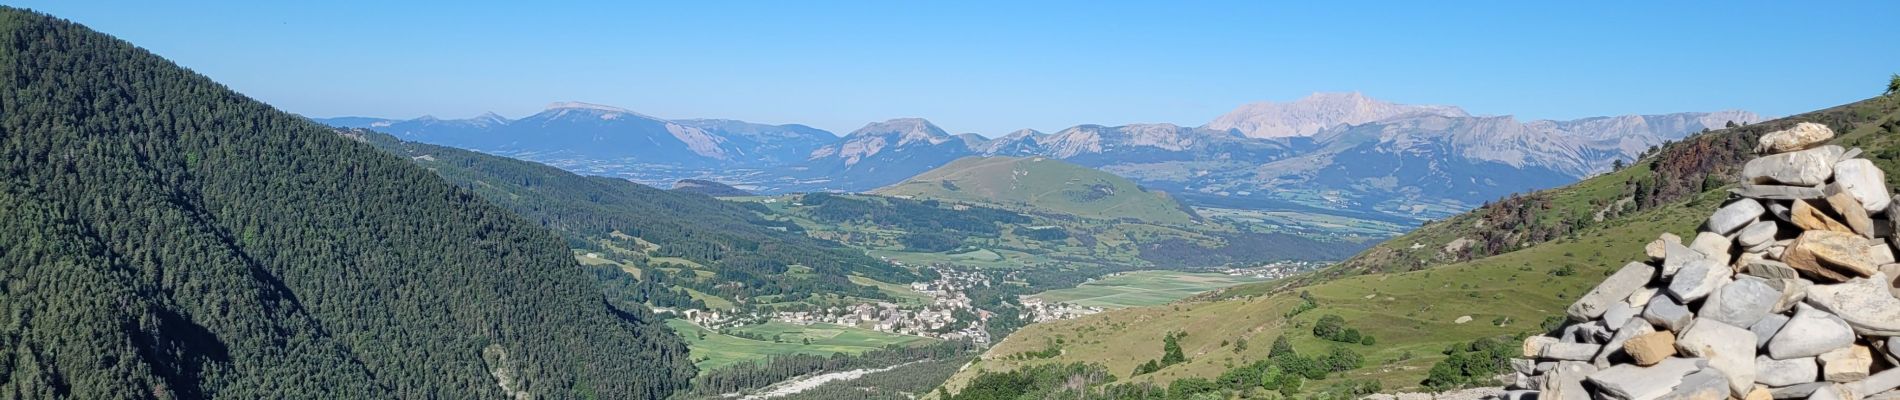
(906, 130)
(1318, 111)
(877, 137)
(576, 105)
(606, 112)
(1023, 133)
(490, 118)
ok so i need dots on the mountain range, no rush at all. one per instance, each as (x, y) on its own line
(612, 134)
(1335, 153)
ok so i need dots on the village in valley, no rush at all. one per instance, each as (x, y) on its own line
(947, 314)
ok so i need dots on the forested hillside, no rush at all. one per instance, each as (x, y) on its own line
(166, 237)
(747, 255)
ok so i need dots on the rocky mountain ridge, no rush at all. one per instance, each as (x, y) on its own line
(1324, 152)
(612, 134)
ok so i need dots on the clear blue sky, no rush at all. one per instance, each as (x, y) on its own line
(992, 67)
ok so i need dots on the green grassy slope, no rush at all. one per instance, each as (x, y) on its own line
(1042, 184)
(1409, 292)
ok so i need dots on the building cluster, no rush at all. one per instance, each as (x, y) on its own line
(1275, 270)
(948, 314)
(1035, 309)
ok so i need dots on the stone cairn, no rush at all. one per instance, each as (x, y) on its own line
(1787, 292)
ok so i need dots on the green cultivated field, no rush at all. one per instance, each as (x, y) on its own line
(713, 350)
(1142, 288)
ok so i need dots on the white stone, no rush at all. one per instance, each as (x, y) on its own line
(1878, 383)
(1523, 366)
(1766, 328)
(1641, 297)
(1698, 279)
(1793, 291)
(1734, 216)
(1667, 313)
(1713, 245)
(1565, 351)
(1611, 291)
(1779, 373)
(1632, 382)
(1830, 392)
(1741, 302)
(1800, 168)
(1780, 211)
(1618, 314)
(1800, 391)
(1757, 234)
(1676, 256)
(1776, 192)
(1706, 384)
(1800, 136)
(1727, 347)
(1770, 269)
(1865, 182)
(1867, 304)
(1565, 385)
(1809, 333)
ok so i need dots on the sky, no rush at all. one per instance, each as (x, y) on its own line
(994, 67)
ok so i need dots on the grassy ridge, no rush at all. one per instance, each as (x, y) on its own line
(1042, 184)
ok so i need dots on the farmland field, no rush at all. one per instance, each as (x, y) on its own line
(713, 350)
(1142, 288)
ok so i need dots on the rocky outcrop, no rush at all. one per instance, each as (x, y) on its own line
(1779, 297)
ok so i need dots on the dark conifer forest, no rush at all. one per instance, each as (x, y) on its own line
(162, 236)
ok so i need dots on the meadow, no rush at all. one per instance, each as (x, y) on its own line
(713, 350)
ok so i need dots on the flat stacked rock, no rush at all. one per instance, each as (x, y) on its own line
(1787, 292)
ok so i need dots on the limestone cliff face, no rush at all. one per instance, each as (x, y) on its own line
(1319, 111)
(893, 135)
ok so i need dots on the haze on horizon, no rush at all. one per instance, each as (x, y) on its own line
(994, 67)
